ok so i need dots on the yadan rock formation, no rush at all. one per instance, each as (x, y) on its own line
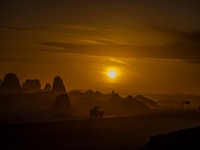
(31, 86)
(10, 84)
(131, 106)
(62, 102)
(58, 85)
(150, 103)
(47, 87)
(62, 107)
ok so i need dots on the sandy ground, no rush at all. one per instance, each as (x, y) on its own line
(96, 133)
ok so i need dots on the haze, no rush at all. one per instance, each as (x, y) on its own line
(153, 45)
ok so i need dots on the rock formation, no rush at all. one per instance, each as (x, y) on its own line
(10, 84)
(117, 105)
(62, 107)
(113, 92)
(150, 103)
(62, 102)
(131, 106)
(115, 98)
(31, 86)
(47, 87)
(89, 93)
(58, 86)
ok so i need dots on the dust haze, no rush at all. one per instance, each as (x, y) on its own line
(31, 117)
(103, 74)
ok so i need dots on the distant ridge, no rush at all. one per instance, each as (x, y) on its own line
(150, 103)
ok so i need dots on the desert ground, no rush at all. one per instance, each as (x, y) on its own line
(131, 132)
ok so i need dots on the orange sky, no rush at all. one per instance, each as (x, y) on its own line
(153, 45)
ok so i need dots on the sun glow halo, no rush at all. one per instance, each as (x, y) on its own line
(112, 74)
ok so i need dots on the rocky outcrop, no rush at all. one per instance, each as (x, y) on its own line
(31, 86)
(62, 107)
(150, 103)
(117, 105)
(58, 86)
(89, 93)
(116, 99)
(47, 87)
(10, 84)
(62, 102)
(131, 106)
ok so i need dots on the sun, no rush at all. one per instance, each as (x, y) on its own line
(112, 73)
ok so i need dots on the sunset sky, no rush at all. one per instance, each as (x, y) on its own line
(153, 45)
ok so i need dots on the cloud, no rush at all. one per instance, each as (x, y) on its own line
(179, 50)
(119, 61)
(13, 28)
(192, 38)
(98, 50)
(89, 28)
(193, 61)
(182, 37)
(81, 27)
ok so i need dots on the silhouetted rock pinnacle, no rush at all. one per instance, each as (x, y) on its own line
(31, 86)
(47, 87)
(58, 85)
(62, 102)
(62, 107)
(115, 96)
(10, 84)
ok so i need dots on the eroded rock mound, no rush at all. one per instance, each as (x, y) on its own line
(10, 84)
(62, 107)
(58, 86)
(150, 103)
(47, 87)
(132, 106)
(31, 86)
(62, 102)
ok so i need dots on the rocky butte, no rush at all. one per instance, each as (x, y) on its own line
(58, 86)
(31, 86)
(62, 107)
(10, 84)
(47, 87)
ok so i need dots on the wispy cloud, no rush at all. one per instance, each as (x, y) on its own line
(81, 27)
(185, 52)
(13, 28)
(119, 61)
(89, 28)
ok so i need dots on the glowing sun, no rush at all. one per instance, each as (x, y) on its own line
(112, 74)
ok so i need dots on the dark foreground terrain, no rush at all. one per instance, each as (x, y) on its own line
(184, 139)
(100, 133)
